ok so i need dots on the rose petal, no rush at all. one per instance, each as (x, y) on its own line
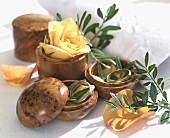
(55, 52)
(121, 118)
(16, 75)
(66, 36)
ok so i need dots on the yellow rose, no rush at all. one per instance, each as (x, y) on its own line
(65, 40)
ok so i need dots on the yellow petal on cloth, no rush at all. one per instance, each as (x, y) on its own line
(55, 52)
(121, 119)
(66, 35)
(16, 75)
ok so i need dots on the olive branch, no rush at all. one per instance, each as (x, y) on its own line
(155, 98)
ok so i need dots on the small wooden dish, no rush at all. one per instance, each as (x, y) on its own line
(78, 111)
(104, 88)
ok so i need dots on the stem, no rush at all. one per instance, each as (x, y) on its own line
(95, 57)
(100, 27)
(154, 81)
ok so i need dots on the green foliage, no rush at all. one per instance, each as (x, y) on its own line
(99, 30)
(148, 98)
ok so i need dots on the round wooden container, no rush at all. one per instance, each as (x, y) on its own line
(104, 88)
(70, 69)
(28, 31)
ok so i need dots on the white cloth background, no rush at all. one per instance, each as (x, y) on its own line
(145, 27)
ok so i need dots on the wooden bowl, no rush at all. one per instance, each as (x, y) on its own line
(70, 69)
(78, 111)
(104, 88)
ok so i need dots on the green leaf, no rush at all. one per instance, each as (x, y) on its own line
(104, 56)
(80, 94)
(162, 85)
(155, 72)
(138, 94)
(98, 51)
(82, 18)
(153, 92)
(116, 99)
(145, 97)
(111, 109)
(165, 117)
(151, 67)
(165, 95)
(105, 44)
(108, 61)
(152, 108)
(99, 13)
(139, 71)
(109, 103)
(91, 28)
(86, 21)
(58, 17)
(131, 108)
(126, 99)
(140, 64)
(105, 37)
(111, 12)
(78, 20)
(147, 84)
(75, 83)
(46, 40)
(130, 65)
(100, 71)
(118, 63)
(135, 100)
(146, 59)
(110, 27)
(142, 77)
(104, 65)
(159, 81)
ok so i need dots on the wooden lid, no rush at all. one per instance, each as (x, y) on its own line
(32, 22)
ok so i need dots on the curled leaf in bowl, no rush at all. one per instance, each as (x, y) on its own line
(79, 91)
(117, 117)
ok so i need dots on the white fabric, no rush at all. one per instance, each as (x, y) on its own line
(144, 26)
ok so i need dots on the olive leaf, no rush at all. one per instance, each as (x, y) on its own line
(109, 103)
(110, 27)
(111, 12)
(80, 94)
(46, 40)
(118, 63)
(147, 84)
(139, 71)
(155, 72)
(146, 59)
(140, 64)
(99, 13)
(116, 99)
(159, 80)
(86, 21)
(91, 28)
(145, 97)
(153, 92)
(165, 117)
(130, 65)
(126, 99)
(58, 17)
(151, 67)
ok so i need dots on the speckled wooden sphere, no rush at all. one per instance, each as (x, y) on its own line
(41, 102)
